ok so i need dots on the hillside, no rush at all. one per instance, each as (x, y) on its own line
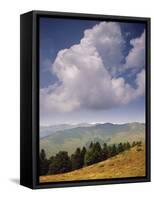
(69, 139)
(46, 131)
(127, 164)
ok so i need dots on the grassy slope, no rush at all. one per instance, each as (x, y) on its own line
(127, 164)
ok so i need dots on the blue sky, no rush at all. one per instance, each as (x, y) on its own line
(122, 68)
(57, 34)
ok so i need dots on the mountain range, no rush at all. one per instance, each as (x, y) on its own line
(68, 137)
(49, 130)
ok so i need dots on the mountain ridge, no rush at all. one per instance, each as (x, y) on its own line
(80, 125)
(70, 139)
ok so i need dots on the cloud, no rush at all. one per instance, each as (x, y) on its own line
(109, 43)
(136, 56)
(87, 72)
(140, 82)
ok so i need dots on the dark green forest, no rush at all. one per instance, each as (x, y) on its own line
(62, 162)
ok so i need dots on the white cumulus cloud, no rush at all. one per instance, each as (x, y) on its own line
(136, 56)
(86, 72)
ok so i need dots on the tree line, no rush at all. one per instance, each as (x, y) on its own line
(62, 162)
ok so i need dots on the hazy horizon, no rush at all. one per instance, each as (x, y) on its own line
(92, 123)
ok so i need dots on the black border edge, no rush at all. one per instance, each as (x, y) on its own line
(89, 16)
(35, 102)
(35, 92)
(26, 100)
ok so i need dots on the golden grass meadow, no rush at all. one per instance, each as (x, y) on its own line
(130, 163)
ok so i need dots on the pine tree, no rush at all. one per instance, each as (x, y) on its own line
(105, 152)
(128, 146)
(44, 163)
(83, 152)
(91, 145)
(93, 154)
(114, 150)
(42, 154)
(133, 144)
(120, 147)
(60, 163)
(76, 159)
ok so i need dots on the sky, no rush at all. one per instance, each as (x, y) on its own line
(91, 71)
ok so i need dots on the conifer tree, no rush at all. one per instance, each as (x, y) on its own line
(76, 159)
(105, 152)
(44, 163)
(60, 163)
